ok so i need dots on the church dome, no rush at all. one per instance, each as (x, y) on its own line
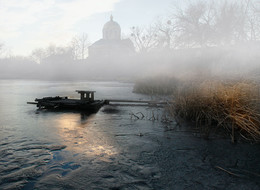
(111, 30)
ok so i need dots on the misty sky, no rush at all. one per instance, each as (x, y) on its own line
(29, 24)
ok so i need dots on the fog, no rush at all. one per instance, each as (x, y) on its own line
(196, 39)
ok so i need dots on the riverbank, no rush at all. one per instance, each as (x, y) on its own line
(233, 105)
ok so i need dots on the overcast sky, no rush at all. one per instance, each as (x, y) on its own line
(29, 24)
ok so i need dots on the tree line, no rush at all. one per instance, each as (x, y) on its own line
(196, 24)
(202, 24)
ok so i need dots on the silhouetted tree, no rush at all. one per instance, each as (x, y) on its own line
(58, 55)
(194, 24)
(253, 17)
(52, 55)
(1, 47)
(3, 50)
(144, 39)
(79, 45)
(167, 31)
(210, 23)
(38, 55)
(230, 24)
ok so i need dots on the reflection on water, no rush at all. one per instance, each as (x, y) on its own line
(79, 132)
(40, 148)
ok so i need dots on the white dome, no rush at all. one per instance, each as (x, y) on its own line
(111, 30)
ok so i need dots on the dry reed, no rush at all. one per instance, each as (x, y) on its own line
(235, 106)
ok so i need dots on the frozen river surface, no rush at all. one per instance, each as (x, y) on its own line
(109, 149)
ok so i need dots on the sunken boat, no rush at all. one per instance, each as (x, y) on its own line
(85, 103)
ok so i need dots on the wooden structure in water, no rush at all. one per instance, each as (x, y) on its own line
(86, 95)
(122, 102)
(88, 103)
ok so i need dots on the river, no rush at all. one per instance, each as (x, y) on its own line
(111, 149)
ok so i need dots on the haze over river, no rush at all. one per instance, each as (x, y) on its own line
(109, 149)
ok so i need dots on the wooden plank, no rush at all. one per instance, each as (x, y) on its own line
(136, 101)
(151, 105)
(32, 103)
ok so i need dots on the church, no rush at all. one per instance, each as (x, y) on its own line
(111, 45)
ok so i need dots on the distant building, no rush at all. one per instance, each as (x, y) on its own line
(111, 45)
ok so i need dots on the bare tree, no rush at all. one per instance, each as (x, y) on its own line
(230, 22)
(166, 31)
(209, 23)
(2, 49)
(1, 46)
(194, 24)
(79, 45)
(253, 18)
(52, 54)
(38, 55)
(144, 39)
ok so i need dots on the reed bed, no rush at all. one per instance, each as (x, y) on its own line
(234, 105)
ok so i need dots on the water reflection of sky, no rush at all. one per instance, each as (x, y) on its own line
(55, 145)
(81, 134)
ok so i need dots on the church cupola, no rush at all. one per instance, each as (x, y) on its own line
(111, 30)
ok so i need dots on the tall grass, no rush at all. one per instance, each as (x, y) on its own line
(235, 106)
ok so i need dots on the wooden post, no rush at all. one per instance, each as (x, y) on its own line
(92, 96)
(81, 96)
